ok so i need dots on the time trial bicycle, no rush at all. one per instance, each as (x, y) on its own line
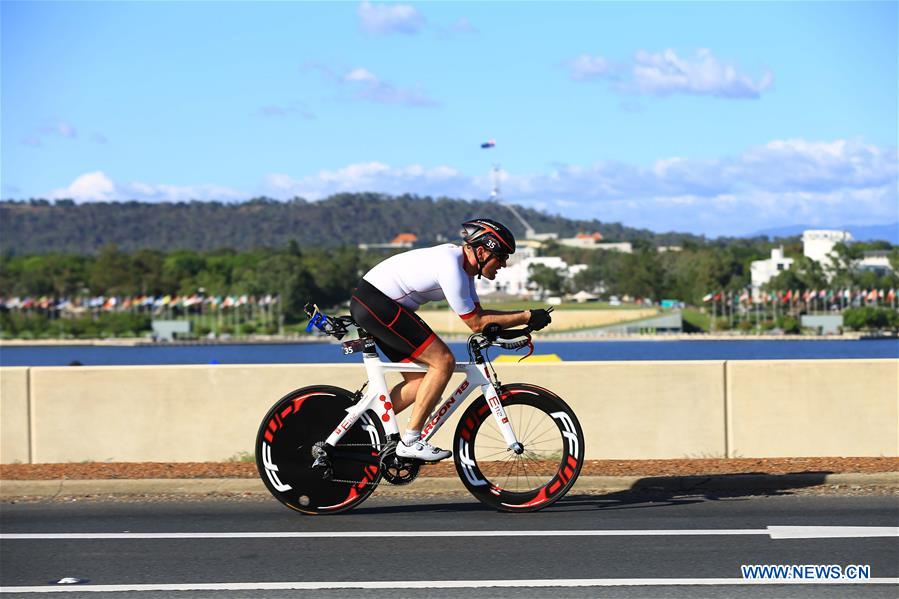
(323, 449)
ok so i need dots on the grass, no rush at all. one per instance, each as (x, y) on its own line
(697, 319)
(242, 456)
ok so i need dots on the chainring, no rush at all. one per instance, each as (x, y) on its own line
(396, 470)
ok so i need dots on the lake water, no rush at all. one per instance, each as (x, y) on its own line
(322, 353)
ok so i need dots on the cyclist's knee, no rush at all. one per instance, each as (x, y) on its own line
(447, 362)
(439, 357)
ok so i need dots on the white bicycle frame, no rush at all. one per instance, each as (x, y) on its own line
(377, 398)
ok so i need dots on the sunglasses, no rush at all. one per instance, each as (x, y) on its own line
(500, 256)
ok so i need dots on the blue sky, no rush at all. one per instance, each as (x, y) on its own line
(715, 118)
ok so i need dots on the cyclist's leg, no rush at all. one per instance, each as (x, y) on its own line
(404, 337)
(403, 394)
(441, 363)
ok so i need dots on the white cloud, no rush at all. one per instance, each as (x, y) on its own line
(820, 165)
(89, 187)
(52, 128)
(463, 26)
(360, 75)
(586, 66)
(369, 176)
(362, 84)
(782, 182)
(389, 18)
(665, 73)
(66, 129)
(830, 183)
(365, 85)
(98, 187)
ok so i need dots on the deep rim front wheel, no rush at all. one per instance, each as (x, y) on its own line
(534, 479)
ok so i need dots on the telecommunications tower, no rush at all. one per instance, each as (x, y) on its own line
(497, 196)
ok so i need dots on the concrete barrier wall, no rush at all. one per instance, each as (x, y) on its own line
(162, 413)
(629, 410)
(813, 408)
(14, 421)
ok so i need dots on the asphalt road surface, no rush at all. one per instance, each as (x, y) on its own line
(586, 546)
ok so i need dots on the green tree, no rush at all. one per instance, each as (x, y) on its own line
(549, 280)
(112, 273)
(180, 270)
(641, 275)
(842, 264)
(287, 276)
(589, 279)
(894, 260)
(148, 266)
(869, 317)
(335, 273)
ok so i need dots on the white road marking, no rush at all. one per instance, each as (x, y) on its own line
(378, 534)
(831, 532)
(427, 584)
(775, 532)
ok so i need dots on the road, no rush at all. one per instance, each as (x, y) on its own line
(447, 546)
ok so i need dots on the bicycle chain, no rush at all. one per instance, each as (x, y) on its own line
(357, 482)
(354, 482)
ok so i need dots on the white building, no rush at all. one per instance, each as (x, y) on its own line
(582, 240)
(817, 244)
(763, 271)
(877, 261)
(594, 242)
(623, 246)
(513, 279)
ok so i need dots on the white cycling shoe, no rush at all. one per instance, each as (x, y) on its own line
(420, 450)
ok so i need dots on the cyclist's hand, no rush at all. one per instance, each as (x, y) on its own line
(539, 318)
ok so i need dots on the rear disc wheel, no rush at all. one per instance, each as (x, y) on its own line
(285, 450)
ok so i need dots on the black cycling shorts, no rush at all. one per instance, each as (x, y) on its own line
(400, 333)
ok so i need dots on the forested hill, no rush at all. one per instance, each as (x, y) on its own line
(40, 227)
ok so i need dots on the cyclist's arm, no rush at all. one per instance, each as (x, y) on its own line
(461, 295)
(505, 319)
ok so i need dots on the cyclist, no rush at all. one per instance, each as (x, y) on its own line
(385, 301)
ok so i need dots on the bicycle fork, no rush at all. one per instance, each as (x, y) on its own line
(502, 420)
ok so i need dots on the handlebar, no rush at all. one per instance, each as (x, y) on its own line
(505, 338)
(493, 332)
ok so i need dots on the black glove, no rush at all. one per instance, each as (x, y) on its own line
(539, 318)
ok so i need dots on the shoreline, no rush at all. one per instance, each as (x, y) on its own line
(561, 336)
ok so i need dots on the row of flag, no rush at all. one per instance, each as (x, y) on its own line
(122, 303)
(807, 295)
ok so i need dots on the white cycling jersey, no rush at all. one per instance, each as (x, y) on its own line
(420, 276)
